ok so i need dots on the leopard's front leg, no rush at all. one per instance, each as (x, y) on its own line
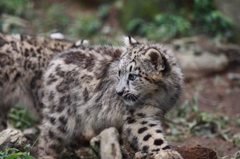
(143, 130)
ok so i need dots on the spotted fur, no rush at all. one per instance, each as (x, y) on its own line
(89, 89)
(23, 60)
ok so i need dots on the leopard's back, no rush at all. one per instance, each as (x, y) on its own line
(77, 84)
(23, 60)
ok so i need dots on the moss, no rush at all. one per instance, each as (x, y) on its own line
(139, 9)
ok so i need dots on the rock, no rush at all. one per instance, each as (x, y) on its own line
(233, 76)
(12, 138)
(196, 61)
(205, 63)
(9, 20)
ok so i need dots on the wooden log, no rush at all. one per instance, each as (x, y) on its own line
(12, 138)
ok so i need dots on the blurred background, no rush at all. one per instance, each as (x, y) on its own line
(204, 34)
(159, 20)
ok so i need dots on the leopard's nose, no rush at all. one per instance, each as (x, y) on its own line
(120, 93)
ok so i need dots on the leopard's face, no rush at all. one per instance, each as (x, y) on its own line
(129, 85)
(133, 87)
(140, 73)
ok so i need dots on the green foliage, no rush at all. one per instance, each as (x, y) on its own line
(85, 26)
(181, 121)
(103, 11)
(187, 120)
(211, 125)
(169, 26)
(55, 18)
(188, 106)
(202, 18)
(236, 140)
(164, 26)
(237, 155)
(17, 7)
(209, 20)
(136, 26)
(138, 9)
(13, 15)
(13, 153)
(20, 118)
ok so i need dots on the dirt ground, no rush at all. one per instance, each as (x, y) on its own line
(221, 96)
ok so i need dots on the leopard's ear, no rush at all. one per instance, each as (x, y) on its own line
(129, 41)
(155, 58)
(80, 43)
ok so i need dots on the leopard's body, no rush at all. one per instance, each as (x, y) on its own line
(23, 60)
(92, 88)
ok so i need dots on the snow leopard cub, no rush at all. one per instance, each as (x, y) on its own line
(23, 59)
(97, 87)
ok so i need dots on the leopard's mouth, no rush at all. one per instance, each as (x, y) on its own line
(130, 99)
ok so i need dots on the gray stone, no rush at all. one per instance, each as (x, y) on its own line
(196, 61)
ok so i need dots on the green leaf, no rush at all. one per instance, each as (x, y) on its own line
(27, 156)
(12, 149)
(13, 156)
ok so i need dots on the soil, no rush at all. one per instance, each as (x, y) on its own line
(219, 95)
(197, 152)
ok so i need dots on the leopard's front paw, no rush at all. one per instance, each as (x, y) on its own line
(171, 154)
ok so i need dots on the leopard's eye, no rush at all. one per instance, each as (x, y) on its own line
(132, 77)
